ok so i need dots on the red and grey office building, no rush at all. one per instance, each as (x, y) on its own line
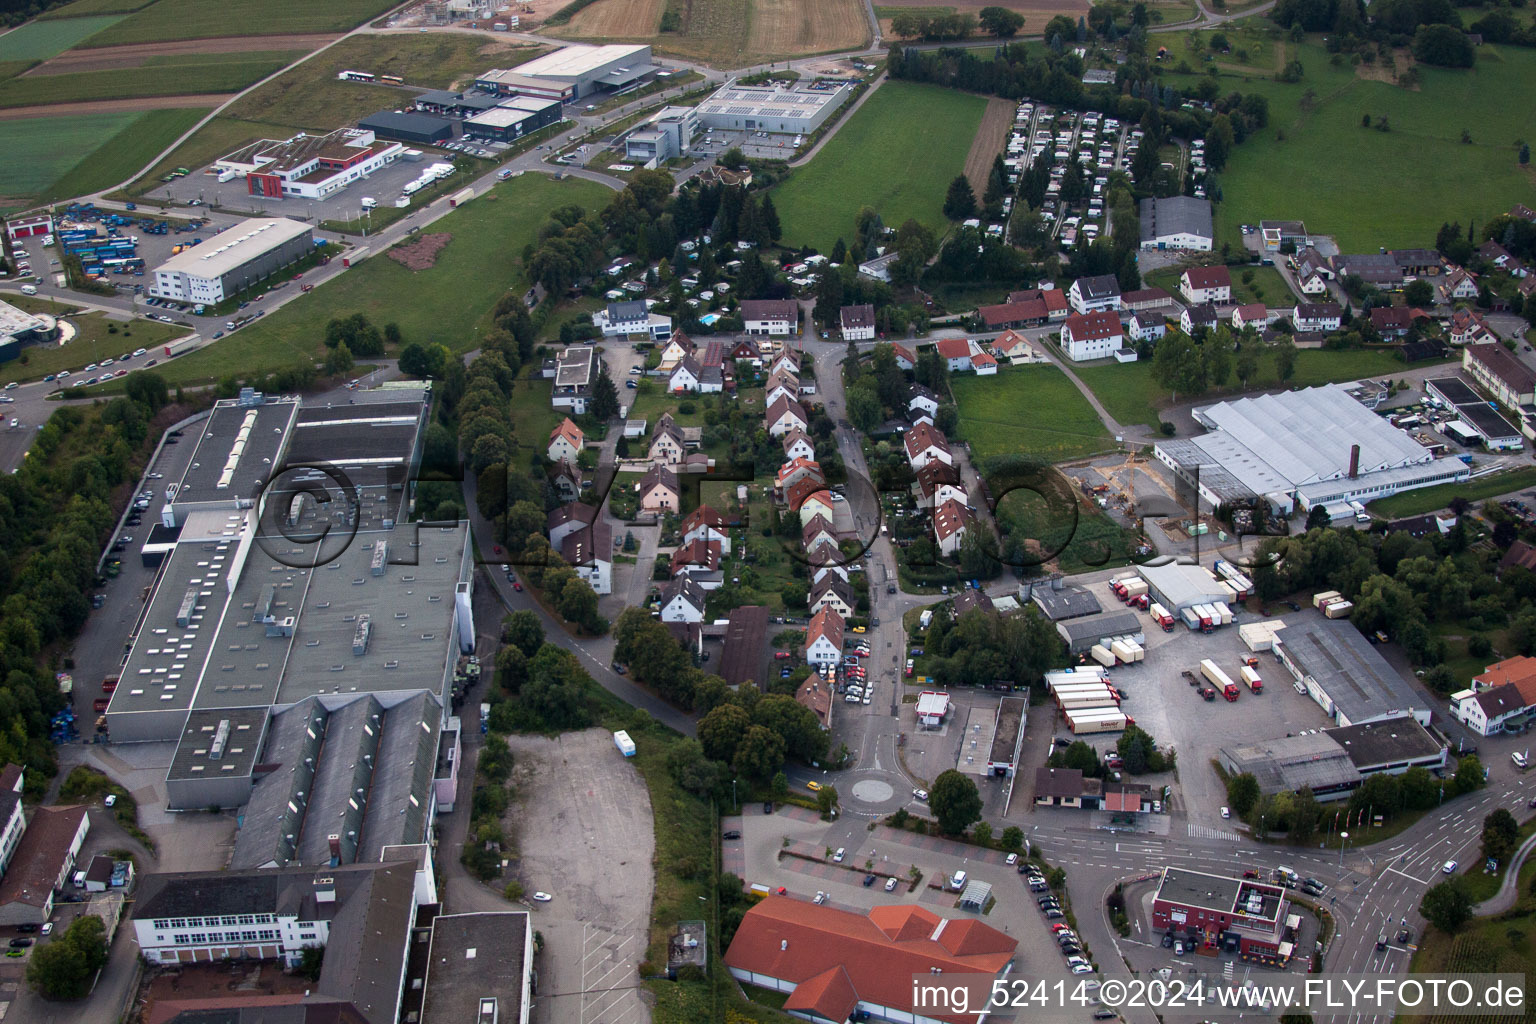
(1218, 913)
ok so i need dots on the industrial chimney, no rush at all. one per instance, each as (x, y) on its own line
(1354, 461)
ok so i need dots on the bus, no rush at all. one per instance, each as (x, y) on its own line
(391, 80)
(355, 76)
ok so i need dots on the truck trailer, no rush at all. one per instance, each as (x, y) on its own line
(1161, 617)
(1251, 677)
(1087, 703)
(1339, 609)
(1070, 676)
(1219, 679)
(180, 345)
(1084, 723)
(1102, 655)
(1323, 597)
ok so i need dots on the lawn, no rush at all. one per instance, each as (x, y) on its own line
(1131, 395)
(449, 303)
(178, 75)
(199, 19)
(1430, 499)
(310, 96)
(1260, 284)
(878, 158)
(36, 153)
(1447, 180)
(1027, 410)
(1092, 541)
(98, 338)
(39, 40)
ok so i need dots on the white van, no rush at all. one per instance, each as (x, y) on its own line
(957, 881)
(29, 289)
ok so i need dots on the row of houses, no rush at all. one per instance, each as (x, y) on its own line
(938, 486)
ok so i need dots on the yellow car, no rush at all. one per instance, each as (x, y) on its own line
(814, 787)
(859, 629)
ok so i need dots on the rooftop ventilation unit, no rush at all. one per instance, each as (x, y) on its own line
(360, 636)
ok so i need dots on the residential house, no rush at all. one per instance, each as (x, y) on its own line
(807, 493)
(575, 369)
(821, 572)
(824, 639)
(1094, 294)
(1312, 283)
(921, 402)
(835, 593)
(970, 599)
(1145, 298)
(781, 384)
(798, 445)
(1520, 553)
(817, 532)
(15, 823)
(658, 490)
(566, 481)
(950, 521)
(1252, 314)
(745, 350)
(1011, 315)
(1091, 336)
(565, 442)
(785, 415)
(678, 347)
(1206, 284)
(623, 319)
(1064, 787)
(685, 375)
(1317, 316)
(771, 316)
(815, 694)
(938, 482)
(788, 360)
(1016, 348)
(1145, 326)
(905, 359)
(1309, 261)
(983, 364)
(704, 523)
(699, 555)
(1378, 268)
(590, 553)
(683, 600)
(858, 322)
(1458, 286)
(565, 520)
(815, 503)
(667, 445)
(1488, 712)
(924, 444)
(956, 353)
(1198, 318)
(1501, 373)
(1466, 327)
(1391, 321)
(41, 862)
(798, 469)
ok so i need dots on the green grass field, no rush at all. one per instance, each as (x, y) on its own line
(1131, 395)
(876, 160)
(1260, 284)
(220, 136)
(1325, 147)
(39, 40)
(309, 96)
(98, 338)
(12, 68)
(87, 8)
(199, 19)
(34, 154)
(178, 75)
(449, 303)
(1429, 499)
(1027, 410)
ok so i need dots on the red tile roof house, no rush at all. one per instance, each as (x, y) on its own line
(1206, 284)
(834, 962)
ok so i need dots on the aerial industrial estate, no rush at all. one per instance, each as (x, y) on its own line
(536, 513)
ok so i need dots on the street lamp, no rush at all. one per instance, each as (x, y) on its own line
(1344, 837)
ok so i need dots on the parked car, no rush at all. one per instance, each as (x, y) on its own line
(732, 834)
(837, 858)
(890, 885)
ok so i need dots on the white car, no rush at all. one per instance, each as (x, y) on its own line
(890, 885)
(542, 897)
(1013, 859)
(1082, 968)
(1450, 867)
(837, 858)
(821, 897)
(920, 794)
(111, 801)
(1226, 812)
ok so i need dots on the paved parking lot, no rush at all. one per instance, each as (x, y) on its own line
(591, 848)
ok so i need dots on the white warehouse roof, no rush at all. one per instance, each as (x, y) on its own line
(235, 247)
(575, 61)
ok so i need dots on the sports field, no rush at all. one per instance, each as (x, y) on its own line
(897, 153)
(727, 33)
(1341, 163)
(39, 40)
(160, 76)
(449, 303)
(1026, 410)
(199, 19)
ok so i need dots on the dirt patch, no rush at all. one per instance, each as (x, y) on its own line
(794, 26)
(991, 135)
(1388, 71)
(626, 19)
(112, 58)
(422, 253)
(113, 106)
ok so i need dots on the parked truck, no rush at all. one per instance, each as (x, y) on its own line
(1339, 609)
(180, 345)
(1223, 612)
(624, 743)
(1191, 619)
(1251, 677)
(1102, 655)
(352, 257)
(1085, 703)
(1102, 696)
(1072, 676)
(1084, 723)
(1239, 582)
(1123, 652)
(1161, 617)
(1219, 679)
(1322, 598)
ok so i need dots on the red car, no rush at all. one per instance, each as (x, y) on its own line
(101, 703)
(781, 655)
(297, 276)
(1250, 873)
(308, 288)
(517, 586)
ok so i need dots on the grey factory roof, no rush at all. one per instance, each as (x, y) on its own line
(1312, 759)
(200, 756)
(1454, 389)
(475, 957)
(233, 249)
(576, 61)
(1178, 585)
(237, 450)
(469, 100)
(1175, 215)
(1066, 603)
(575, 366)
(1117, 622)
(504, 116)
(291, 1009)
(360, 772)
(1487, 422)
(1375, 744)
(1218, 892)
(365, 441)
(769, 101)
(1354, 675)
(1207, 457)
(282, 891)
